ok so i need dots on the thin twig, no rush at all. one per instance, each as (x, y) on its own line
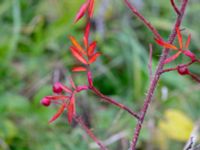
(89, 132)
(112, 101)
(194, 77)
(156, 77)
(106, 98)
(168, 70)
(150, 62)
(175, 7)
(198, 60)
(143, 19)
(175, 68)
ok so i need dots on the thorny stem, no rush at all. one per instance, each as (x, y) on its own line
(175, 7)
(143, 19)
(89, 132)
(160, 66)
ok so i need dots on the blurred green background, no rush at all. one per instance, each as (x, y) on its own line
(34, 53)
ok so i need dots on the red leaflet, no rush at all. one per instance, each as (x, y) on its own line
(79, 69)
(189, 54)
(77, 45)
(173, 57)
(71, 109)
(81, 12)
(94, 57)
(165, 44)
(58, 113)
(92, 48)
(86, 34)
(77, 55)
(181, 49)
(188, 41)
(180, 40)
(91, 8)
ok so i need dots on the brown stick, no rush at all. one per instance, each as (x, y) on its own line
(175, 7)
(143, 19)
(89, 132)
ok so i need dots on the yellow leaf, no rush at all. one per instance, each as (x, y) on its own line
(176, 125)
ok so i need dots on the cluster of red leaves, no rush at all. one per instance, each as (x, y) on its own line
(182, 69)
(85, 54)
(182, 48)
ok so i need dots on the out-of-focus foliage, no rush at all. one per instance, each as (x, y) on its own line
(176, 125)
(34, 47)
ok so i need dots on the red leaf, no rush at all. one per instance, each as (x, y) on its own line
(77, 45)
(86, 34)
(71, 109)
(189, 54)
(188, 42)
(173, 57)
(92, 48)
(79, 69)
(58, 113)
(180, 39)
(94, 57)
(165, 44)
(77, 55)
(91, 8)
(81, 12)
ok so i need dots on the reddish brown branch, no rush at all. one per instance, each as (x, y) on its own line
(106, 98)
(89, 132)
(175, 7)
(175, 68)
(198, 60)
(112, 101)
(194, 77)
(143, 19)
(168, 70)
(156, 77)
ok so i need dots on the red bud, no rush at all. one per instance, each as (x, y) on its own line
(57, 88)
(45, 101)
(183, 70)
